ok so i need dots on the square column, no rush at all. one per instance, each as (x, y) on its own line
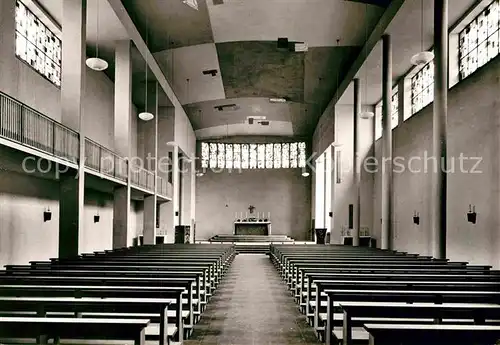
(150, 219)
(122, 120)
(188, 185)
(72, 186)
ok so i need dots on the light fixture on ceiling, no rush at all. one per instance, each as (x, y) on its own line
(277, 100)
(366, 114)
(301, 47)
(305, 173)
(191, 3)
(96, 63)
(146, 115)
(423, 57)
(199, 174)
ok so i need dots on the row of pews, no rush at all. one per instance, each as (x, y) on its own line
(148, 293)
(353, 295)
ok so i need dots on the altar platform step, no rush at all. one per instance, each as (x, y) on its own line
(251, 238)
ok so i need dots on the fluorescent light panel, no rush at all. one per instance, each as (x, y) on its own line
(191, 3)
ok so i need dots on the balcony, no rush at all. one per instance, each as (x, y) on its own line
(28, 130)
(23, 125)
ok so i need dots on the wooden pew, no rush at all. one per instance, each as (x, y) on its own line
(371, 312)
(392, 334)
(173, 294)
(407, 296)
(74, 328)
(81, 307)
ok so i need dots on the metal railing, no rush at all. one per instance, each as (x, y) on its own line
(162, 186)
(105, 161)
(142, 178)
(22, 124)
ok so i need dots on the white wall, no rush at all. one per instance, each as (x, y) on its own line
(183, 133)
(343, 193)
(283, 192)
(24, 236)
(97, 236)
(473, 122)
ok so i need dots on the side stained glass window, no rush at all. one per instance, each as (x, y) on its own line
(479, 41)
(37, 45)
(422, 88)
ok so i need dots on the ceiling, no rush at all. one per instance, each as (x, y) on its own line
(238, 40)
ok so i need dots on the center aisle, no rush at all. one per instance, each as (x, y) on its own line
(252, 306)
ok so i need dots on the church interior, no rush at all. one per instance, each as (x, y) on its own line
(235, 172)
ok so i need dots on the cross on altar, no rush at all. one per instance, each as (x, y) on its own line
(251, 208)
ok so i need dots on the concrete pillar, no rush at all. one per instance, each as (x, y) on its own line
(387, 179)
(72, 187)
(169, 216)
(356, 173)
(188, 194)
(150, 219)
(439, 176)
(122, 120)
(151, 153)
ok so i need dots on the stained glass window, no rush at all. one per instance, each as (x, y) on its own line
(293, 155)
(269, 156)
(37, 45)
(285, 153)
(213, 156)
(221, 157)
(478, 41)
(244, 156)
(261, 158)
(253, 156)
(422, 88)
(277, 156)
(237, 156)
(229, 156)
(302, 155)
(204, 155)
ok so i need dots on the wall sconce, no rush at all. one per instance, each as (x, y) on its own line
(472, 215)
(47, 215)
(97, 217)
(330, 214)
(416, 218)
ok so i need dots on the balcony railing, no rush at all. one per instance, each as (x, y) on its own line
(105, 161)
(142, 178)
(24, 125)
(161, 186)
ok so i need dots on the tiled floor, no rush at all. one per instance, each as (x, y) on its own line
(252, 307)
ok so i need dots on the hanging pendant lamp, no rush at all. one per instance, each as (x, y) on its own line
(366, 115)
(146, 115)
(96, 63)
(424, 57)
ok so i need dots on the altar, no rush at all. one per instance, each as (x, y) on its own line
(252, 228)
(252, 223)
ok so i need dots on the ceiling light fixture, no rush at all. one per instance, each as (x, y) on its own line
(277, 100)
(301, 47)
(146, 115)
(191, 3)
(199, 174)
(305, 173)
(424, 57)
(96, 63)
